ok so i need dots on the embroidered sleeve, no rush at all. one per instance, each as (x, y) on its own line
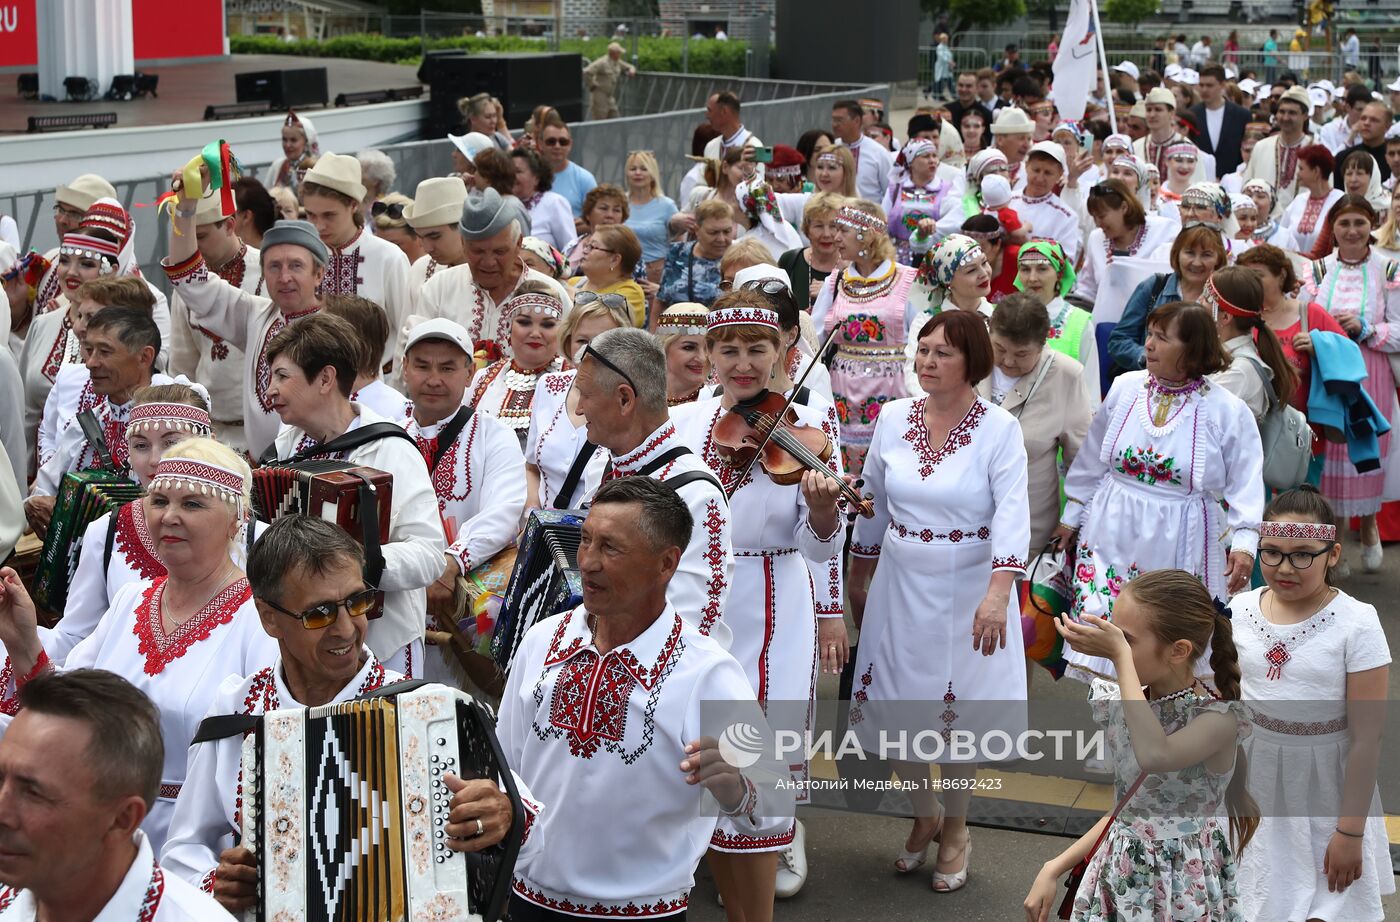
(207, 882)
(1011, 522)
(188, 270)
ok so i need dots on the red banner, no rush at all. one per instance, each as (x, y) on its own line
(162, 29)
(19, 34)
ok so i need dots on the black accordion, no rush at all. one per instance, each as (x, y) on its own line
(545, 580)
(346, 809)
(356, 498)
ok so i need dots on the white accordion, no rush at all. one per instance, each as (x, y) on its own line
(346, 809)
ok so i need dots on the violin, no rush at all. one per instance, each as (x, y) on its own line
(765, 429)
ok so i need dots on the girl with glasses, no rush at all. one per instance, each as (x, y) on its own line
(1315, 667)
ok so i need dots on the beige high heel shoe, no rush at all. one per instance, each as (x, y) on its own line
(908, 862)
(957, 879)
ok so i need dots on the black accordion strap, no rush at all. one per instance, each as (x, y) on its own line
(92, 431)
(681, 480)
(369, 525)
(663, 459)
(449, 434)
(565, 496)
(346, 441)
(222, 726)
(401, 687)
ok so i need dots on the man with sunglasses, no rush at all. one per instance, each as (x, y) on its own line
(570, 180)
(308, 583)
(621, 385)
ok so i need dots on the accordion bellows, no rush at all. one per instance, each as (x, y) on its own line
(545, 580)
(346, 808)
(83, 498)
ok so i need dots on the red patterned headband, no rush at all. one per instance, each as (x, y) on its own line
(201, 477)
(1183, 149)
(533, 302)
(684, 322)
(741, 316)
(858, 220)
(179, 416)
(1213, 296)
(90, 247)
(1304, 531)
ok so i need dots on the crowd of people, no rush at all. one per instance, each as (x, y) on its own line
(1161, 360)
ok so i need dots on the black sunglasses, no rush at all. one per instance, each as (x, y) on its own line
(589, 350)
(358, 605)
(394, 211)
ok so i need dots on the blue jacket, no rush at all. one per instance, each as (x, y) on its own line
(1341, 402)
(1125, 342)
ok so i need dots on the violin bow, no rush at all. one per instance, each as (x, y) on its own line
(787, 405)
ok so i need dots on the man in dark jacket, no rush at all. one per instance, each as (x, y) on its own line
(1221, 121)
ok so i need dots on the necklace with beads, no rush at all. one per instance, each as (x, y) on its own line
(1163, 398)
(859, 290)
(520, 392)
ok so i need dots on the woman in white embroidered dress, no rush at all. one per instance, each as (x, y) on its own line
(869, 301)
(505, 389)
(682, 332)
(557, 430)
(1122, 228)
(777, 531)
(1163, 450)
(1268, 228)
(1314, 666)
(118, 547)
(1361, 289)
(178, 637)
(1306, 215)
(942, 647)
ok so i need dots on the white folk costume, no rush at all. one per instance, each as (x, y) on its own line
(1149, 151)
(180, 672)
(592, 735)
(49, 346)
(211, 359)
(1278, 163)
(452, 293)
(375, 269)
(413, 553)
(1371, 290)
(946, 518)
(283, 172)
(702, 581)
(505, 391)
(1306, 216)
(424, 268)
(553, 442)
(70, 395)
(906, 202)
(1099, 253)
(74, 453)
(1145, 492)
(146, 894)
(1294, 679)
(387, 401)
(208, 816)
(1051, 219)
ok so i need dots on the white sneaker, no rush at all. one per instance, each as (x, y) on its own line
(1371, 557)
(792, 866)
(1095, 766)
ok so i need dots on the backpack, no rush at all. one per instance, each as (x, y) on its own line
(1285, 435)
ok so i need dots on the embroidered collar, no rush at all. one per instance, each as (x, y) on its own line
(659, 441)
(646, 656)
(133, 539)
(159, 649)
(349, 244)
(372, 675)
(1036, 199)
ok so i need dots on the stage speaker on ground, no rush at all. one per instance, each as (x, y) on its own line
(866, 54)
(520, 81)
(284, 89)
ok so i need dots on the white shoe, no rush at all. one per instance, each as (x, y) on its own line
(792, 866)
(947, 883)
(1371, 557)
(1096, 766)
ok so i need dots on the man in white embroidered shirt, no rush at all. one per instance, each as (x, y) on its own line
(308, 582)
(71, 845)
(603, 707)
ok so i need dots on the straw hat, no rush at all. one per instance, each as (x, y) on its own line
(210, 210)
(82, 192)
(436, 202)
(340, 172)
(1161, 96)
(1012, 121)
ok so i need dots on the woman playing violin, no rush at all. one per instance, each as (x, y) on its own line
(777, 529)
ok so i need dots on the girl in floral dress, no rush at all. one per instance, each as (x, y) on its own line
(1177, 763)
(1164, 448)
(869, 303)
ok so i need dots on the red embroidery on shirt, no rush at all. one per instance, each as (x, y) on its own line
(740, 842)
(557, 384)
(343, 270)
(160, 649)
(1012, 562)
(207, 883)
(54, 361)
(133, 539)
(150, 905)
(7, 896)
(958, 437)
(263, 369)
(8, 705)
(714, 556)
(630, 911)
(634, 459)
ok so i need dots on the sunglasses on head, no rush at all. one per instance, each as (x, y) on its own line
(767, 286)
(358, 605)
(394, 211)
(603, 360)
(610, 299)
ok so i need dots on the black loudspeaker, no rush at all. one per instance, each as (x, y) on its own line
(520, 81)
(869, 55)
(284, 89)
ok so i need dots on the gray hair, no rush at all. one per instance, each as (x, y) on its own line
(302, 544)
(639, 354)
(377, 168)
(134, 329)
(124, 743)
(663, 520)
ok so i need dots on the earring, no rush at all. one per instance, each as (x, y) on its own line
(860, 235)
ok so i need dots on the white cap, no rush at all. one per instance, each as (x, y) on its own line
(1262, 92)
(1319, 96)
(996, 191)
(762, 271)
(1230, 72)
(1327, 85)
(1248, 86)
(1189, 77)
(1394, 87)
(1127, 67)
(470, 144)
(1172, 72)
(1050, 149)
(444, 329)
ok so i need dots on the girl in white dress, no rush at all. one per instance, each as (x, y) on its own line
(505, 389)
(778, 530)
(177, 637)
(942, 647)
(557, 430)
(1144, 492)
(1315, 667)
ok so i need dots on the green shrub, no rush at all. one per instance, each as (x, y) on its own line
(653, 54)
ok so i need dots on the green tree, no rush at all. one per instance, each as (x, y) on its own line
(966, 14)
(1129, 11)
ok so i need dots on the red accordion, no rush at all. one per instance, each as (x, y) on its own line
(356, 498)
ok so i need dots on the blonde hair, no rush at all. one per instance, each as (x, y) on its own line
(820, 205)
(745, 252)
(384, 222)
(878, 242)
(217, 453)
(169, 393)
(712, 208)
(1389, 232)
(848, 166)
(578, 313)
(648, 162)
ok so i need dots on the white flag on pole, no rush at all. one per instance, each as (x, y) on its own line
(1076, 63)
